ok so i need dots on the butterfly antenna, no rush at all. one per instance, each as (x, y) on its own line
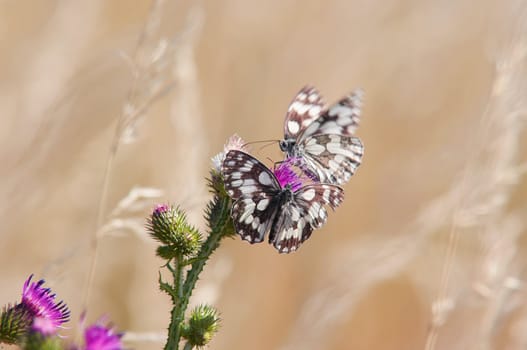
(270, 142)
(275, 164)
(271, 161)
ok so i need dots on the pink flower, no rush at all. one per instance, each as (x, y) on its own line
(287, 176)
(48, 315)
(44, 326)
(160, 209)
(100, 337)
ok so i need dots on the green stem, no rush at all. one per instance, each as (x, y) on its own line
(178, 312)
(217, 232)
(188, 346)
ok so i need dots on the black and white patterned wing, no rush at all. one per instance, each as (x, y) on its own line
(342, 118)
(304, 213)
(331, 158)
(303, 110)
(253, 189)
(290, 228)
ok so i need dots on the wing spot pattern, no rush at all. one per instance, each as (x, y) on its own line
(262, 204)
(309, 194)
(293, 126)
(265, 179)
(249, 219)
(314, 111)
(236, 175)
(236, 183)
(326, 194)
(248, 189)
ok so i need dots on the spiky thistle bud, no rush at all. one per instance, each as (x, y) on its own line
(168, 225)
(203, 323)
(15, 322)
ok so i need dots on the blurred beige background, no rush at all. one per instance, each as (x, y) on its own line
(427, 251)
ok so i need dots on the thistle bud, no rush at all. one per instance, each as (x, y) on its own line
(168, 225)
(202, 325)
(15, 322)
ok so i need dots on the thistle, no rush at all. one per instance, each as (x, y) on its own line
(33, 323)
(168, 225)
(203, 323)
(186, 252)
(48, 315)
(102, 337)
(15, 322)
(286, 175)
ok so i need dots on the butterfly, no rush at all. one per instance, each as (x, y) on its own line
(321, 138)
(263, 202)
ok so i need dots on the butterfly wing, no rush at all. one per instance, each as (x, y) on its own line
(290, 228)
(331, 158)
(304, 213)
(253, 188)
(342, 118)
(250, 222)
(302, 111)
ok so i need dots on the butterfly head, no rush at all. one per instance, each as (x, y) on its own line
(287, 145)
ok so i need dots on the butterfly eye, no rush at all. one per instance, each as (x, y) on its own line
(283, 145)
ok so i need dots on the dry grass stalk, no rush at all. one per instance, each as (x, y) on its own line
(149, 62)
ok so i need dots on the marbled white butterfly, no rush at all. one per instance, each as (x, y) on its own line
(277, 202)
(321, 138)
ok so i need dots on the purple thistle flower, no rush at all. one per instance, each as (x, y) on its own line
(287, 176)
(44, 326)
(100, 337)
(160, 209)
(48, 315)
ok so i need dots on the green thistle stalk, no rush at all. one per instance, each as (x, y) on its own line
(182, 246)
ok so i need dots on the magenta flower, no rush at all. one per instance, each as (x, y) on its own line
(287, 176)
(100, 337)
(44, 326)
(160, 209)
(48, 315)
